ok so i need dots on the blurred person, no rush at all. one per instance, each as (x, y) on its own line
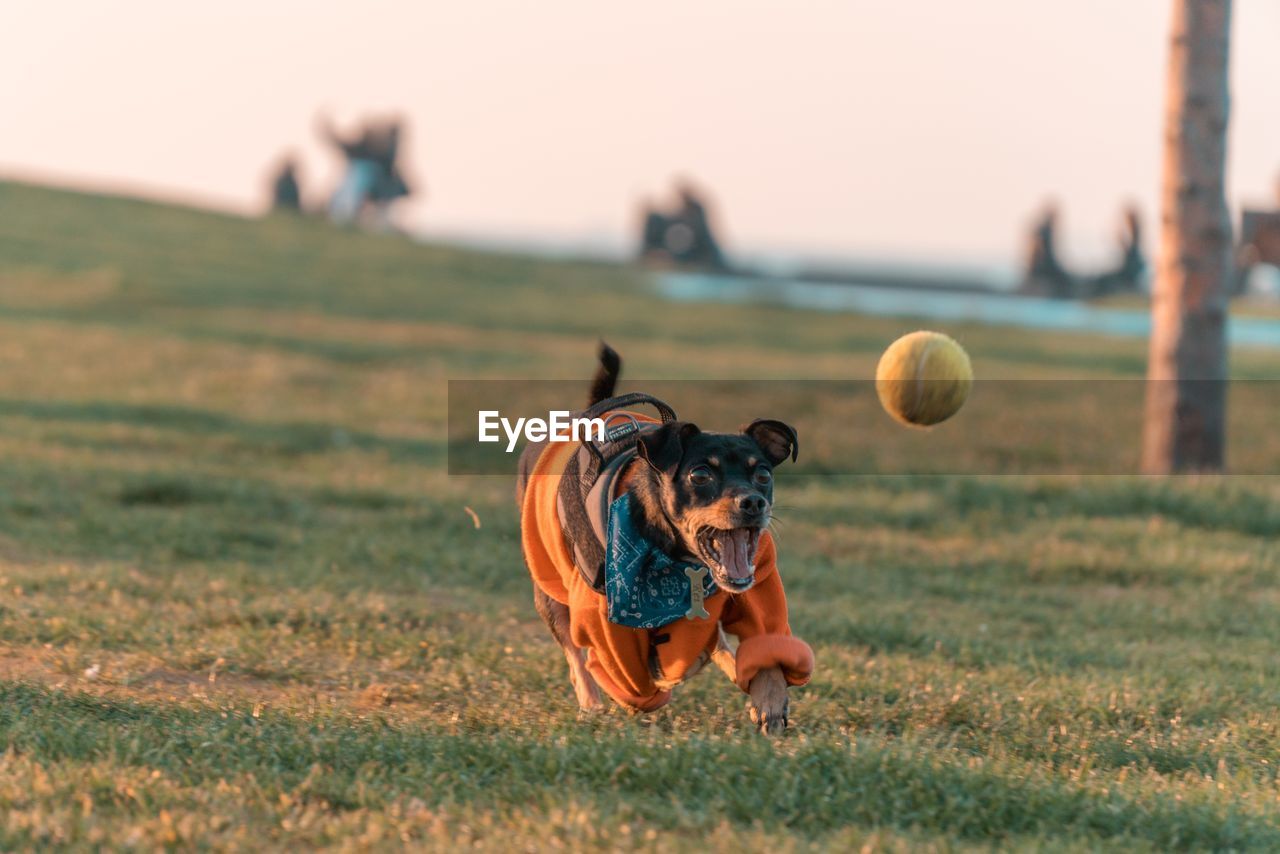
(1133, 263)
(1129, 274)
(1257, 256)
(693, 212)
(286, 194)
(358, 177)
(389, 184)
(684, 235)
(372, 179)
(1045, 274)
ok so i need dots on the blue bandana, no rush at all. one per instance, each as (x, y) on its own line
(644, 587)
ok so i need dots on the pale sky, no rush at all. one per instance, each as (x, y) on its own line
(911, 129)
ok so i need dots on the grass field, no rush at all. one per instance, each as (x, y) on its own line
(242, 606)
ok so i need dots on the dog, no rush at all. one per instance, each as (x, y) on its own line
(690, 508)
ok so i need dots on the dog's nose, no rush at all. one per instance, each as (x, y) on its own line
(754, 505)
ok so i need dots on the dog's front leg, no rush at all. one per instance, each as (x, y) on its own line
(768, 691)
(584, 687)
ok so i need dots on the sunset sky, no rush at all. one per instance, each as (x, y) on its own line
(919, 129)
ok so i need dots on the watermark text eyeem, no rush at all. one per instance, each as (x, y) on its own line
(558, 426)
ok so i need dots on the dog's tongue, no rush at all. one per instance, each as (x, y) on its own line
(737, 551)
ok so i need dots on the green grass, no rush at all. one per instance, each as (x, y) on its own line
(242, 606)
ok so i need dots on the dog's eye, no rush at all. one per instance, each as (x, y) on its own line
(700, 475)
(763, 476)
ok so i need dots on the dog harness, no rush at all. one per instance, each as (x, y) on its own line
(586, 491)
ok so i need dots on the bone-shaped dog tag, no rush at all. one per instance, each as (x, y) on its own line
(696, 611)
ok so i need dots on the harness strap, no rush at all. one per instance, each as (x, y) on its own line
(600, 496)
(586, 486)
(622, 401)
(618, 436)
(575, 524)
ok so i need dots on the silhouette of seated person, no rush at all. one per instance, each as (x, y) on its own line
(1045, 273)
(286, 195)
(1259, 242)
(682, 236)
(1128, 274)
(1046, 276)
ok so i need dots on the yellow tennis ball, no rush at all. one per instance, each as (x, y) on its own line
(923, 378)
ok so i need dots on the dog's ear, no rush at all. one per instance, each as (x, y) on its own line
(777, 440)
(664, 448)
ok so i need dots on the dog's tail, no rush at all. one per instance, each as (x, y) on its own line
(606, 378)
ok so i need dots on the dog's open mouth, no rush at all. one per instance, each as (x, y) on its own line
(730, 555)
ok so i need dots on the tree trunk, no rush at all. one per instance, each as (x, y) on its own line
(1185, 421)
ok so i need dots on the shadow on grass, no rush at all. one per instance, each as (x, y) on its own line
(817, 787)
(323, 536)
(1211, 504)
(285, 438)
(347, 352)
(102, 514)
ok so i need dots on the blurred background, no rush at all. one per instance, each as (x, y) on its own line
(922, 132)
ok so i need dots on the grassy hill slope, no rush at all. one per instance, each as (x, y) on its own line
(242, 604)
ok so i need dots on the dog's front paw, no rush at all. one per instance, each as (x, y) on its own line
(769, 701)
(770, 723)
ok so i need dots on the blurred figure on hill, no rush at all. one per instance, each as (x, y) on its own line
(1130, 272)
(1133, 264)
(1257, 255)
(372, 180)
(683, 234)
(1045, 275)
(286, 195)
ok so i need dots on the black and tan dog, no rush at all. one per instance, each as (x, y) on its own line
(688, 561)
